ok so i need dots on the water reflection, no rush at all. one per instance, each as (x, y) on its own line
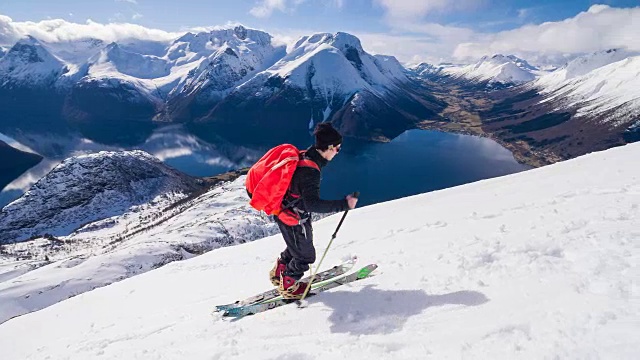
(415, 162)
(172, 144)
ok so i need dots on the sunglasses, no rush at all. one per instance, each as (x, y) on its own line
(337, 148)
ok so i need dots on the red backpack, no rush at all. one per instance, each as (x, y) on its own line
(269, 179)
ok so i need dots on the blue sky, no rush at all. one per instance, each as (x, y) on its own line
(436, 27)
(329, 15)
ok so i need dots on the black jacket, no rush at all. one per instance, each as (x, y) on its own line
(306, 183)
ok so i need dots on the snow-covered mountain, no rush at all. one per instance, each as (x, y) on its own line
(324, 77)
(594, 85)
(591, 103)
(578, 67)
(29, 64)
(611, 89)
(96, 186)
(540, 264)
(496, 70)
(108, 90)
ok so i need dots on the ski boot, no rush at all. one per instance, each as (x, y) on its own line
(274, 274)
(291, 288)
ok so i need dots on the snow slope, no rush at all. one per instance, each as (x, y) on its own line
(578, 67)
(92, 257)
(613, 86)
(540, 264)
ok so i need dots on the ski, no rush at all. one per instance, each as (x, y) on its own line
(273, 293)
(251, 309)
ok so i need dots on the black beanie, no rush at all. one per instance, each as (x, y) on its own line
(326, 135)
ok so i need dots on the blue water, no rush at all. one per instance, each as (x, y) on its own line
(415, 162)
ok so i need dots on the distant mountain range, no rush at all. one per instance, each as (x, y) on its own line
(235, 82)
(239, 86)
(590, 103)
(492, 71)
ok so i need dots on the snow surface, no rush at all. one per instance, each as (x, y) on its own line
(539, 264)
(93, 256)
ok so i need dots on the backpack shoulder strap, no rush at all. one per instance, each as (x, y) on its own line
(307, 162)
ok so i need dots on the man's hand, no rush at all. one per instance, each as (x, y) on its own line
(352, 201)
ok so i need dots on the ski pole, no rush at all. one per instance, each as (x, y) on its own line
(335, 233)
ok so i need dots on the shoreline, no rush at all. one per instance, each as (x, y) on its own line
(463, 118)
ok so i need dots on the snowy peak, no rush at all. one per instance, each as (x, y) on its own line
(28, 51)
(521, 63)
(346, 43)
(426, 70)
(29, 61)
(222, 60)
(76, 52)
(340, 40)
(206, 42)
(587, 63)
(581, 66)
(130, 63)
(96, 186)
(324, 77)
(612, 87)
(390, 66)
(337, 63)
(495, 69)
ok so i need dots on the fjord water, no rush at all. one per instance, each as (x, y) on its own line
(415, 162)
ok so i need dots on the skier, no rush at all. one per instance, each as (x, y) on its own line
(303, 197)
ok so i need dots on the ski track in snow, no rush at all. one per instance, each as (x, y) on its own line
(535, 265)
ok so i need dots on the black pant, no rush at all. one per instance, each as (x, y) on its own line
(300, 251)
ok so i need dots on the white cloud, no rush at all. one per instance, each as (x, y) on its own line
(412, 39)
(56, 30)
(407, 49)
(136, 16)
(415, 9)
(129, 1)
(600, 28)
(265, 8)
(523, 13)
